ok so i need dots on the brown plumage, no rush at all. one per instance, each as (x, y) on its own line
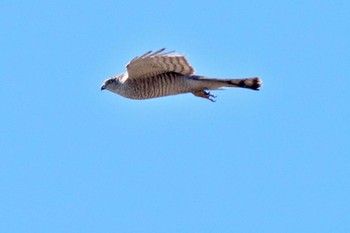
(159, 74)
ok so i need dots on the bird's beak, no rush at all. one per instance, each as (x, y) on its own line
(103, 87)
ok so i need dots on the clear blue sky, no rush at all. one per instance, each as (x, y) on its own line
(75, 159)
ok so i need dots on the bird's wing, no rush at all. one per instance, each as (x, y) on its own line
(152, 64)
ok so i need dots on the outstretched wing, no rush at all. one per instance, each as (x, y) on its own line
(151, 64)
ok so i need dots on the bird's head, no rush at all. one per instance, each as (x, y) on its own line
(110, 83)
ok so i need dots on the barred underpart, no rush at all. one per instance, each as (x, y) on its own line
(160, 85)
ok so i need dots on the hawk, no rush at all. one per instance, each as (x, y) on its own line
(162, 73)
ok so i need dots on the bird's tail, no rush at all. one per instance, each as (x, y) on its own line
(250, 83)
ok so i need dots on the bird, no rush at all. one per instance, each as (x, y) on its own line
(160, 73)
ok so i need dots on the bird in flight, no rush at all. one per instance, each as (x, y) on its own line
(157, 74)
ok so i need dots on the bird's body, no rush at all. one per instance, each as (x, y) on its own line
(160, 74)
(166, 84)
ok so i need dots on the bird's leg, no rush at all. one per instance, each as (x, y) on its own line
(205, 94)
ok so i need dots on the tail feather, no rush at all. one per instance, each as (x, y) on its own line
(205, 84)
(251, 83)
(212, 84)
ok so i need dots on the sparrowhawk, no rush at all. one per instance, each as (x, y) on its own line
(165, 73)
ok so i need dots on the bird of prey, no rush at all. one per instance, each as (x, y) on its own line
(162, 73)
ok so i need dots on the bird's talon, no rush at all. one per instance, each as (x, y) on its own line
(210, 97)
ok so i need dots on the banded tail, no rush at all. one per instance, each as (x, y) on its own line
(214, 84)
(250, 83)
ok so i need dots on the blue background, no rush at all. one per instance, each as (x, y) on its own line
(75, 159)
